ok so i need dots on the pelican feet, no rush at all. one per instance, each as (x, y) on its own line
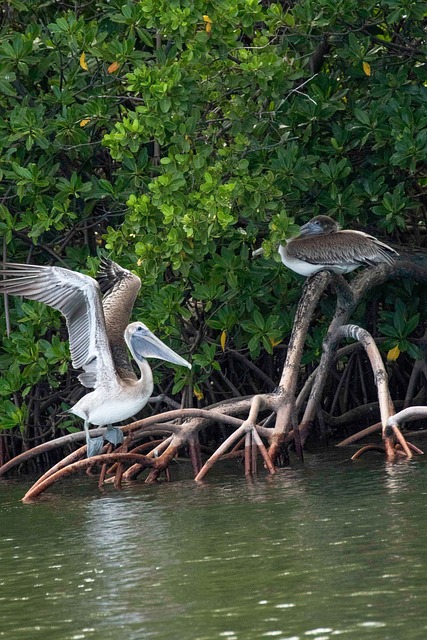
(114, 435)
(94, 446)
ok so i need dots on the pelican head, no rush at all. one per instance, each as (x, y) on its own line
(144, 344)
(319, 225)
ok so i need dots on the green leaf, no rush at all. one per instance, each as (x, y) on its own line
(411, 325)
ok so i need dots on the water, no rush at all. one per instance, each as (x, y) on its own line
(330, 549)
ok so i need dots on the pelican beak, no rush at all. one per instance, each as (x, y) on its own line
(309, 229)
(146, 345)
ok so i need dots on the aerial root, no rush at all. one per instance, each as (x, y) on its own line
(262, 449)
(415, 449)
(368, 447)
(398, 450)
(133, 472)
(247, 433)
(360, 434)
(401, 440)
(195, 453)
(253, 444)
(141, 448)
(70, 459)
(41, 486)
(104, 467)
(164, 449)
(250, 455)
(152, 425)
(392, 436)
(117, 471)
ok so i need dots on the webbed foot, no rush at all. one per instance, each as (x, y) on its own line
(114, 435)
(94, 446)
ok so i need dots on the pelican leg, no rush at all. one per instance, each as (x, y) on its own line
(94, 445)
(114, 435)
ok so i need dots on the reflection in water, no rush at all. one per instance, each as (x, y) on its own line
(326, 549)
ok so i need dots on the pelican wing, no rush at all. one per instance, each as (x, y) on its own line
(120, 288)
(77, 297)
(352, 247)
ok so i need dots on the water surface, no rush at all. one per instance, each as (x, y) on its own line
(332, 548)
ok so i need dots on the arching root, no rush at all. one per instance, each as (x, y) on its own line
(41, 486)
(368, 447)
(253, 443)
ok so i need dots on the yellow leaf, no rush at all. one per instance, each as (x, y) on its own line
(223, 339)
(83, 62)
(208, 24)
(274, 342)
(84, 122)
(199, 394)
(113, 67)
(393, 354)
(367, 68)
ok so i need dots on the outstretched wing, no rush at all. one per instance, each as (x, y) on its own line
(78, 298)
(120, 288)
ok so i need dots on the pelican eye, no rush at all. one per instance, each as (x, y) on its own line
(142, 329)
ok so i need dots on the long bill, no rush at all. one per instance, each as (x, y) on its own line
(145, 344)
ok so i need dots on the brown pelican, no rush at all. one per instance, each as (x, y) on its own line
(98, 334)
(322, 245)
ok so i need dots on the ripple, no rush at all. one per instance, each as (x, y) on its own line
(318, 545)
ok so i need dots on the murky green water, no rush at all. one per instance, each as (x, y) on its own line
(329, 549)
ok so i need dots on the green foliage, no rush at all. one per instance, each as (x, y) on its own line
(399, 325)
(180, 135)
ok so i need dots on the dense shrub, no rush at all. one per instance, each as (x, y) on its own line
(178, 135)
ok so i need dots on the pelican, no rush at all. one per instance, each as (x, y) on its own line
(98, 333)
(322, 245)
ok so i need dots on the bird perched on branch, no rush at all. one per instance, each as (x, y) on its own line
(323, 245)
(99, 331)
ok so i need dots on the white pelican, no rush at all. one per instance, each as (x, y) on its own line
(322, 245)
(98, 332)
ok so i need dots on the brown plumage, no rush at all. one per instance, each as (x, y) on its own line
(120, 288)
(322, 245)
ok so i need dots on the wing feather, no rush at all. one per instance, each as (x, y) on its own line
(350, 246)
(120, 288)
(77, 297)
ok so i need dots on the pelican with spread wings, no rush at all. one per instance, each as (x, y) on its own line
(98, 330)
